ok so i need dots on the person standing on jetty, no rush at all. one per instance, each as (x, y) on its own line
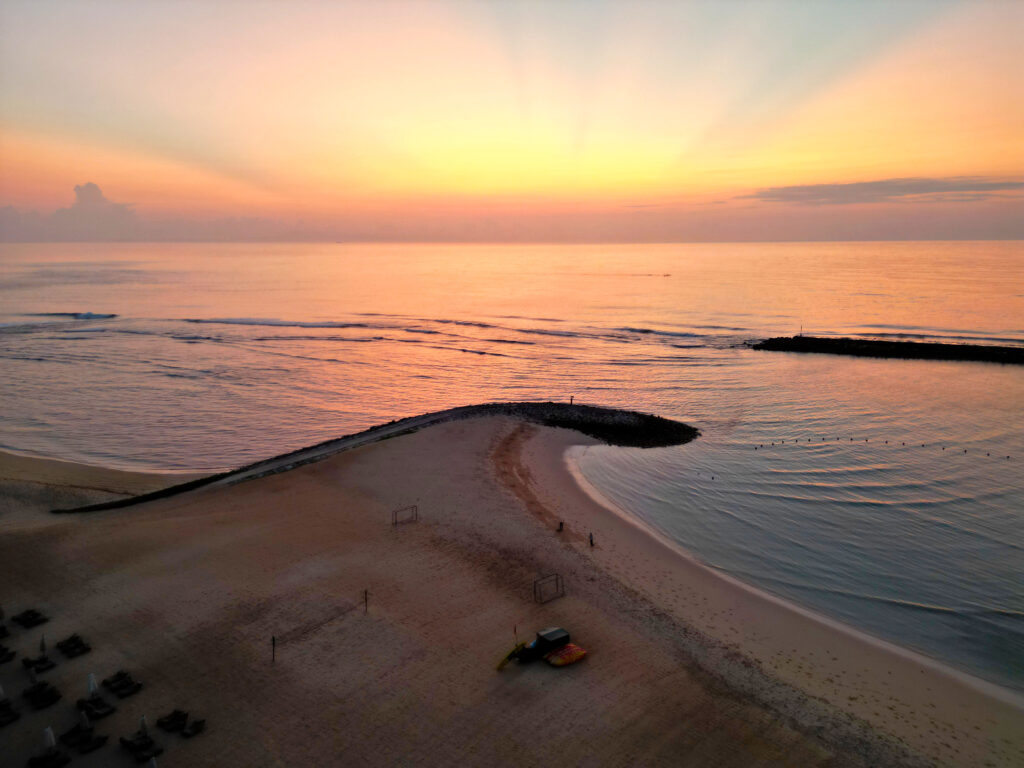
(591, 538)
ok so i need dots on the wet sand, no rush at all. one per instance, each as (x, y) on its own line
(684, 668)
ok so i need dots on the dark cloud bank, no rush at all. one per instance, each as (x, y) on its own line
(963, 189)
(962, 208)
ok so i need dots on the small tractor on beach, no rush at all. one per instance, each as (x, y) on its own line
(551, 644)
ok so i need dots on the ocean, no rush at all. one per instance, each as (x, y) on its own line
(886, 494)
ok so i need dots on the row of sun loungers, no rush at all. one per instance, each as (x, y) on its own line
(82, 737)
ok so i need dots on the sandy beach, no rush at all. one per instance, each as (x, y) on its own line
(685, 667)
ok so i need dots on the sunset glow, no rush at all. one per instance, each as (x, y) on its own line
(484, 120)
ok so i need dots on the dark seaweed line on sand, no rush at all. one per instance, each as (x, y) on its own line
(609, 425)
(909, 350)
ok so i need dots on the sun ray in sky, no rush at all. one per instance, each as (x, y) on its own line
(396, 109)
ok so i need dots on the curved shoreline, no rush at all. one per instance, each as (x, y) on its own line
(788, 658)
(191, 588)
(981, 685)
(610, 425)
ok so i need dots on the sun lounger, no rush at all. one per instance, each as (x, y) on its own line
(193, 728)
(124, 691)
(96, 707)
(73, 646)
(117, 678)
(76, 735)
(172, 722)
(7, 714)
(30, 618)
(41, 695)
(51, 758)
(141, 746)
(122, 684)
(91, 744)
(39, 664)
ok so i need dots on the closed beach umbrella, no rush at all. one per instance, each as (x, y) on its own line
(83, 721)
(93, 687)
(142, 726)
(49, 740)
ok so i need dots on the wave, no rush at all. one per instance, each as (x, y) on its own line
(671, 334)
(76, 315)
(273, 323)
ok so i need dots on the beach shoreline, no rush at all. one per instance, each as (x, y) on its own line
(679, 654)
(985, 687)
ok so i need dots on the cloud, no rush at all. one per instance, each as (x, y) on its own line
(93, 217)
(959, 189)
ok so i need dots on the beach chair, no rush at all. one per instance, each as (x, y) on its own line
(50, 757)
(41, 695)
(141, 746)
(73, 646)
(29, 618)
(95, 707)
(172, 722)
(8, 714)
(39, 664)
(122, 684)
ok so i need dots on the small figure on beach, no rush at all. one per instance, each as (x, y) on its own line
(591, 538)
(561, 526)
(570, 399)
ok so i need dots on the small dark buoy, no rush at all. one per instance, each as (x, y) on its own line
(865, 439)
(943, 447)
(965, 450)
(922, 445)
(886, 442)
(712, 477)
(988, 454)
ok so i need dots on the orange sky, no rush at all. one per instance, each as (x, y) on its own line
(447, 120)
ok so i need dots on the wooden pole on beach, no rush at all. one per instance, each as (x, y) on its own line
(366, 601)
(273, 649)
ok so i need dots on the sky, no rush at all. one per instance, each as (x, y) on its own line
(469, 120)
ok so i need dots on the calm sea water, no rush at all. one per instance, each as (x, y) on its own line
(879, 492)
